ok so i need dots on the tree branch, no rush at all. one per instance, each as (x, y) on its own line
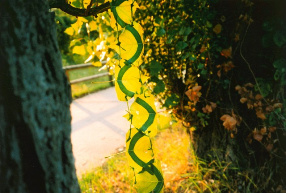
(64, 6)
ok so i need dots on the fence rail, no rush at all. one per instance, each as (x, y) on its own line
(80, 66)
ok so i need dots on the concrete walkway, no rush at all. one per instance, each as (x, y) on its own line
(98, 128)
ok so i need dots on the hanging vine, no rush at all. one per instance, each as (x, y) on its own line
(129, 82)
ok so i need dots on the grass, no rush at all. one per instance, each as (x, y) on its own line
(115, 175)
(90, 86)
(183, 172)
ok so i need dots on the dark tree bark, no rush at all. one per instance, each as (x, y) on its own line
(35, 146)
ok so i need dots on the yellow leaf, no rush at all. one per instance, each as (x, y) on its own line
(79, 50)
(139, 149)
(92, 25)
(69, 31)
(82, 19)
(77, 26)
(128, 44)
(124, 11)
(97, 64)
(113, 22)
(86, 3)
(144, 115)
(146, 182)
(127, 81)
(164, 120)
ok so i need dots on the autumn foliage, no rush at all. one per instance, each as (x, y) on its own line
(221, 73)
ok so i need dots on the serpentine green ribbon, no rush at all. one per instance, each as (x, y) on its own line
(148, 167)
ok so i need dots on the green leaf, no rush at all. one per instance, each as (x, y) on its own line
(172, 101)
(181, 32)
(186, 55)
(157, 20)
(75, 42)
(188, 30)
(161, 32)
(279, 38)
(192, 58)
(277, 75)
(169, 39)
(204, 72)
(76, 3)
(160, 87)
(264, 86)
(200, 66)
(209, 25)
(267, 40)
(155, 68)
(267, 26)
(181, 45)
(280, 63)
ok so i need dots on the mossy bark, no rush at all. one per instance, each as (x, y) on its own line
(35, 145)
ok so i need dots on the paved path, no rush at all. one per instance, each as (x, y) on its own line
(98, 128)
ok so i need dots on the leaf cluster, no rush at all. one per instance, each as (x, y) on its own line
(199, 52)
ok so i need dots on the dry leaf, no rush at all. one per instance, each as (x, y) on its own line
(269, 108)
(238, 87)
(207, 109)
(260, 114)
(269, 147)
(227, 52)
(236, 37)
(263, 130)
(272, 129)
(228, 66)
(229, 122)
(194, 94)
(203, 48)
(248, 85)
(277, 105)
(259, 103)
(217, 28)
(257, 135)
(250, 105)
(213, 105)
(243, 100)
(219, 73)
(258, 97)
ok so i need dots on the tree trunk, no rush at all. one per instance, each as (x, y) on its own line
(35, 146)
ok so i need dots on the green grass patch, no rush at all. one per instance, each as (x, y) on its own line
(114, 176)
(90, 86)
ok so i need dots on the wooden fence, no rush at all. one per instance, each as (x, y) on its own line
(80, 66)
